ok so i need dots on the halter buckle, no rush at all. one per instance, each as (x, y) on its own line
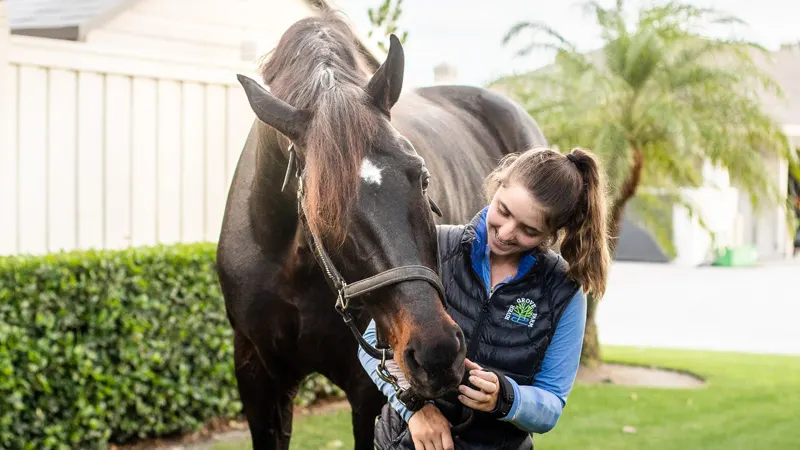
(342, 301)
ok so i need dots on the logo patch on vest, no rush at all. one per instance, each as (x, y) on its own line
(523, 312)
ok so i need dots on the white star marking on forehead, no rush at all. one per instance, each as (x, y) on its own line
(370, 173)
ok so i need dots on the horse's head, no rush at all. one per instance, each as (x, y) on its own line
(364, 191)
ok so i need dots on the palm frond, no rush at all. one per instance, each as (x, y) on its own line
(661, 87)
(535, 27)
(612, 23)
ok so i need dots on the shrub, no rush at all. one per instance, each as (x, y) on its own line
(111, 346)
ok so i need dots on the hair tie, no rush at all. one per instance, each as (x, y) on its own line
(572, 158)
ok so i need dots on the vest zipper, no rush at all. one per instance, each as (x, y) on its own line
(485, 309)
(482, 319)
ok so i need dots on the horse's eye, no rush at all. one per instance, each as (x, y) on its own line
(426, 180)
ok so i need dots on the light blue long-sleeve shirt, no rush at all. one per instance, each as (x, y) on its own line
(537, 407)
(370, 364)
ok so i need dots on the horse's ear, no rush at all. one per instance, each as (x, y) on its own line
(285, 118)
(385, 86)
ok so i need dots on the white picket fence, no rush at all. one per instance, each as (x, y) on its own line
(108, 148)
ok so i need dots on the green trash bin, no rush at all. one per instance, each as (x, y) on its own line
(742, 256)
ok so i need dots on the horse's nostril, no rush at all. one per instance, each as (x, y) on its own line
(460, 337)
(411, 360)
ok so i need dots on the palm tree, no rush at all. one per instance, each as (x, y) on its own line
(655, 103)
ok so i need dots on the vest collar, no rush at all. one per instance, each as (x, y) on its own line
(475, 241)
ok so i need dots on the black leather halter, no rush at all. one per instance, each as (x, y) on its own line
(346, 291)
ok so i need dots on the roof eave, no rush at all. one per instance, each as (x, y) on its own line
(103, 18)
(77, 31)
(68, 33)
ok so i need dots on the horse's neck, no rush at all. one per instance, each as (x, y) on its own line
(273, 214)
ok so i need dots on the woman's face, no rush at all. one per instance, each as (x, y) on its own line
(515, 221)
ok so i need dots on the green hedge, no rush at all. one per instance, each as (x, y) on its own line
(113, 346)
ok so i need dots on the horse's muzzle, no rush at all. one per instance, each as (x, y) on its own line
(436, 366)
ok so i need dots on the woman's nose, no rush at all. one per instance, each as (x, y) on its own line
(506, 232)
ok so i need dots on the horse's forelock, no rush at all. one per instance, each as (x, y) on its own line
(339, 137)
(315, 66)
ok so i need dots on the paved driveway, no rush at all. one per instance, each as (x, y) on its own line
(741, 309)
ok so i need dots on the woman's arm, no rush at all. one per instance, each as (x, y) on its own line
(370, 364)
(428, 428)
(537, 408)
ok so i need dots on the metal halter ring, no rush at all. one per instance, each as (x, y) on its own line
(387, 376)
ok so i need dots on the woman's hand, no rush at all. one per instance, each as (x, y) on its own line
(486, 398)
(430, 430)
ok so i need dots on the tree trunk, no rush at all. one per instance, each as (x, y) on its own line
(626, 192)
(590, 353)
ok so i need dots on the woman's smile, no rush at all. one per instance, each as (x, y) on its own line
(505, 245)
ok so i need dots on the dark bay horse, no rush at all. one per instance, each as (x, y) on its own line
(333, 186)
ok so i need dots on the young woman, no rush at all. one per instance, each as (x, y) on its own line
(521, 305)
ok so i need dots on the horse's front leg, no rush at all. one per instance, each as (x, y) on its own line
(266, 398)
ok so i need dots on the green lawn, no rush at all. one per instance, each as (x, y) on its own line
(751, 402)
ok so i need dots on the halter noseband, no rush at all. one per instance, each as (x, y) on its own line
(346, 291)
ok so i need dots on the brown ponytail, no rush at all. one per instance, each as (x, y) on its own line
(572, 188)
(585, 244)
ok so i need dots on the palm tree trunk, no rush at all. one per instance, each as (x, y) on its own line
(590, 353)
(626, 192)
